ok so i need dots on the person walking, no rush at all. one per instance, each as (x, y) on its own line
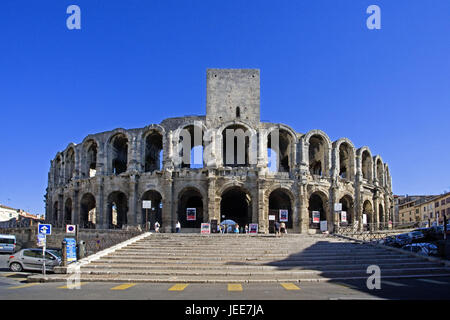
(178, 227)
(246, 228)
(283, 228)
(277, 228)
(157, 225)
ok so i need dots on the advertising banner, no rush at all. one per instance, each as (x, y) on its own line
(253, 228)
(191, 214)
(323, 225)
(364, 218)
(205, 228)
(343, 216)
(316, 216)
(283, 215)
(71, 249)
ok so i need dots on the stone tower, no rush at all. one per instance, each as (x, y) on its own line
(232, 95)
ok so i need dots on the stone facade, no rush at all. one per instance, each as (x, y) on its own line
(101, 182)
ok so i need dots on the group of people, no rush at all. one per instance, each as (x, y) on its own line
(234, 228)
(280, 228)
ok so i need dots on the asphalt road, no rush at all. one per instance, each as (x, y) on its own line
(13, 286)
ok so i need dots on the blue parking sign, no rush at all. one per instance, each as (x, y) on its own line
(71, 249)
(45, 228)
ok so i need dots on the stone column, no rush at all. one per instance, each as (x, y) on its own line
(212, 212)
(169, 209)
(262, 210)
(75, 206)
(303, 209)
(134, 215)
(100, 219)
(61, 213)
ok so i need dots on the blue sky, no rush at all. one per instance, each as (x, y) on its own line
(134, 63)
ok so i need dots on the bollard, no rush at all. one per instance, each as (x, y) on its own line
(64, 253)
(81, 249)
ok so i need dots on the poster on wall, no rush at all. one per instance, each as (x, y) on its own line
(253, 228)
(205, 228)
(191, 214)
(283, 215)
(364, 218)
(343, 216)
(323, 225)
(316, 216)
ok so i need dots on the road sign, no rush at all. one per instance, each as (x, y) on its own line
(146, 204)
(45, 229)
(41, 239)
(70, 228)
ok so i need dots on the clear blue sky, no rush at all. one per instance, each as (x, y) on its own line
(134, 63)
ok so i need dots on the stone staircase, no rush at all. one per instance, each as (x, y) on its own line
(196, 258)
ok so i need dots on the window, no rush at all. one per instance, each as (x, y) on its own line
(436, 204)
(442, 202)
(31, 254)
(447, 200)
(238, 112)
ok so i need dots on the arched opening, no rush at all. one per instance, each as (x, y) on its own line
(316, 208)
(154, 213)
(88, 214)
(117, 210)
(279, 145)
(236, 205)
(70, 164)
(90, 166)
(238, 112)
(119, 154)
(366, 165)
(381, 215)
(153, 152)
(235, 146)
(55, 213)
(190, 208)
(279, 202)
(317, 155)
(346, 161)
(348, 208)
(380, 172)
(57, 174)
(368, 211)
(191, 147)
(68, 211)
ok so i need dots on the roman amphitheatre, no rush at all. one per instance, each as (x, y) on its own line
(225, 165)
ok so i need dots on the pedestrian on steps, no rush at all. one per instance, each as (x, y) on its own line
(178, 227)
(157, 225)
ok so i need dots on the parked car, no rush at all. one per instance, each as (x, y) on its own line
(7, 243)
(416, 236)
(32, 259)
(402, 240)
(427, 249)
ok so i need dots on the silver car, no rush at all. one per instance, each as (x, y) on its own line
(31, 259)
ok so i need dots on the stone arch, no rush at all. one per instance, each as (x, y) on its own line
(317, 147)
(369, 212)
(365, 163)
(281, 199)
(69, 164)
(57, 173)
(190, 136)
(317, 201)
(155, 212)
(55, 214)
(236, 203)
(348, 205)
(379, 170)
(117, 210)
(281, 141)
(191, 198)
(68, 211)
(344, 159)
(88, 211)
(153, 149)
(90, 149)
(118, 148)
(243, 138)
(381, 216)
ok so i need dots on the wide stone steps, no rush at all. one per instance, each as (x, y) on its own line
(242, 258)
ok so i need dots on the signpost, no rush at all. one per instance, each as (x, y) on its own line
(146, 204)
(44, 230)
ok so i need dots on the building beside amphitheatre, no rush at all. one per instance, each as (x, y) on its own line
(249, 170)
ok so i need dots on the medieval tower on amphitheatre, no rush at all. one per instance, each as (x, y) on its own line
(225, 165)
